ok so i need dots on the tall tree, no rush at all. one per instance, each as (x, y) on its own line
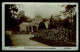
(71, 11)
(10, 14)
(51, 20)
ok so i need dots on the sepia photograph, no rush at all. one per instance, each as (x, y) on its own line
(39, 26)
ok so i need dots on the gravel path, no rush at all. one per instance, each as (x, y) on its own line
(23, 40)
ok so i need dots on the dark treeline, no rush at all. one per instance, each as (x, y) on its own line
(12, 22)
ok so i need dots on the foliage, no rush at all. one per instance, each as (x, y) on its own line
(12, 18)
(9, 20)
(51, 20)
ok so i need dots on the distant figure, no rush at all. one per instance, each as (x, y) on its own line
(42, 24)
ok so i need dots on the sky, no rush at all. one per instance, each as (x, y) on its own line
(45, 10)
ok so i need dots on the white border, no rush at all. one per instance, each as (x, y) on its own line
(33, 47)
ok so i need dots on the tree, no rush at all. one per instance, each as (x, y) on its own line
(51, 20)
(20, 18)
(13, 19)
(71, 10)
(10, 13)
(23, 18)
(66, 23)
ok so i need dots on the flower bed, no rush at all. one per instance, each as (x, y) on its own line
(59, 34)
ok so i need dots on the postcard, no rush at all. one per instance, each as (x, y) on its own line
(40, 26)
